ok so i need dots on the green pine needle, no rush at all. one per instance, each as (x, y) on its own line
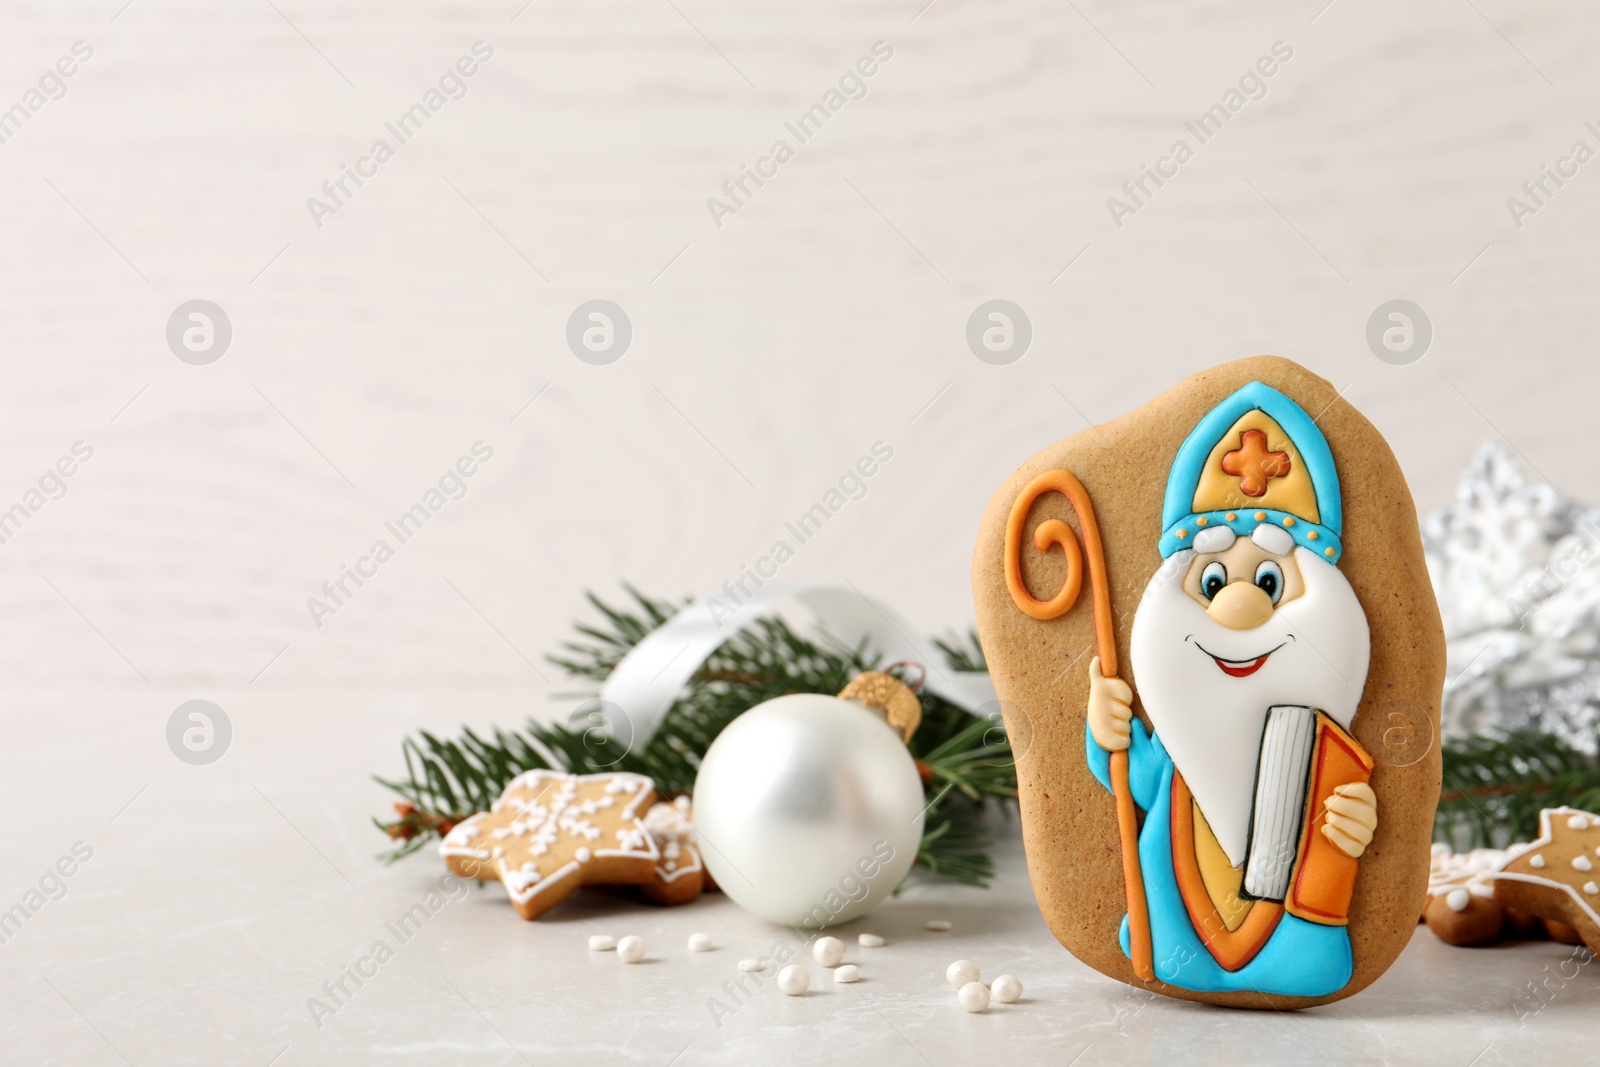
(1494, 787)
(965, 760)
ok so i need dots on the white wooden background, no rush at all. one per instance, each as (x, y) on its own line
(768, 354)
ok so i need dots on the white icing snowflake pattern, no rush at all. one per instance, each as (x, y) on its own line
(547, 825)
(674, 835)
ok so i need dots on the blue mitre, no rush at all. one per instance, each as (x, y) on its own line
(1255, 458)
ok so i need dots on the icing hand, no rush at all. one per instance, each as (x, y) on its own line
(1110, 709)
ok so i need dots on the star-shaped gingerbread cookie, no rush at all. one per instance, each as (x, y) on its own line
(680, 876)
(1557, 876)
(1462, 908)
(551, 832)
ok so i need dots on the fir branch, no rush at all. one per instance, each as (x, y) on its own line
(966, 753)
(955, 843)
(964, 653)
(1494, 787)
(965, 761)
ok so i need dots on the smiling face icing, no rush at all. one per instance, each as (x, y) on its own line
(1222, 636)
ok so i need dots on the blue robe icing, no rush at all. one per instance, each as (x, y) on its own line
(1301, 958)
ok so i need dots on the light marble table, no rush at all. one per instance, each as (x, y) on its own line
(218, 900)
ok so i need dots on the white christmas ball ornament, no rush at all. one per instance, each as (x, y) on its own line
(810, 810)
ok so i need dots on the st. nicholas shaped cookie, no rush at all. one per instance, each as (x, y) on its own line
(1212, 621)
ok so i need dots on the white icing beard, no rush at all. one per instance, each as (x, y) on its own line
(1211, 722)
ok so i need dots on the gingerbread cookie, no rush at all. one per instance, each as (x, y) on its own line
(1462, 909)
(1255, 665)
(551, 832)
(1557, 876)
(680, 876)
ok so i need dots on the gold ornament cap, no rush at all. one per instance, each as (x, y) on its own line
(898, 700)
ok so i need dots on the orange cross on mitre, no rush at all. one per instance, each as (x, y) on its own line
(1253, 463)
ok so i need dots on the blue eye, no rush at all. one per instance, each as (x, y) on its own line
(1269, 577)
(1213, 578)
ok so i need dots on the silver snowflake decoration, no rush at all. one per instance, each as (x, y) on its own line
(1516, 567)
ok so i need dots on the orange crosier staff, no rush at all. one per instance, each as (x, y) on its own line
(1055, 532)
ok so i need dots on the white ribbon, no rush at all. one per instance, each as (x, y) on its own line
(644, 684)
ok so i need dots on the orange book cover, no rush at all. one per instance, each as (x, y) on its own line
(1324, 877)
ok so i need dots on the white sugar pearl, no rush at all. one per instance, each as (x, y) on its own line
(960, 973)
(828, 951)
(631, 949)
(973, 996)
(583, 855)
(700, 943)
(1006, 989)
(602, 943)
(848, 973)
(870, 941)
(794, 980)
(1457, 899)
(749, 965)
(938, 926)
